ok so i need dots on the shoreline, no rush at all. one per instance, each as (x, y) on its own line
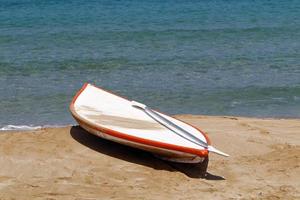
(13, 127)
(69, 163)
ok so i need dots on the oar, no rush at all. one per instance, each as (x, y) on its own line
(176, 129)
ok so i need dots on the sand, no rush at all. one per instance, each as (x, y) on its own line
(69, 163)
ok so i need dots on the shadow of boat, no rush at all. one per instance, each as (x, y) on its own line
(137, 156)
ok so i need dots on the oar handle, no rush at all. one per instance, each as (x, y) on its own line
(139, 105)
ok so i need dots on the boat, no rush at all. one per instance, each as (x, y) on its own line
(131, 123)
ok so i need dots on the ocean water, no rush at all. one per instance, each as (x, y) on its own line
(217, 57)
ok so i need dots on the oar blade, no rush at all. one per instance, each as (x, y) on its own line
(216, 151)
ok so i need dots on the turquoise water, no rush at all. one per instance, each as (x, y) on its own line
(217, 57)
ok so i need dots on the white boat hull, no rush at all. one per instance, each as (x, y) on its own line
(135, 130)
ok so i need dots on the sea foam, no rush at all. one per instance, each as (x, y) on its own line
(19, 127)
(29, 127)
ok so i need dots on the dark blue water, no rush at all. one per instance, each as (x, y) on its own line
(217, 57)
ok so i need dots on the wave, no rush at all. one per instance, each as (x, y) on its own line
(29, 127)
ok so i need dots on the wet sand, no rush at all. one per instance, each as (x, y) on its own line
(69, 163)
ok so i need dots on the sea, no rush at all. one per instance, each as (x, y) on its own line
(203, 57)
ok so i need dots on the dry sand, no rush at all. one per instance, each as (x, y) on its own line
(69, 163)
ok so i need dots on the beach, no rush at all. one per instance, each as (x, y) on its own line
(69, 163)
